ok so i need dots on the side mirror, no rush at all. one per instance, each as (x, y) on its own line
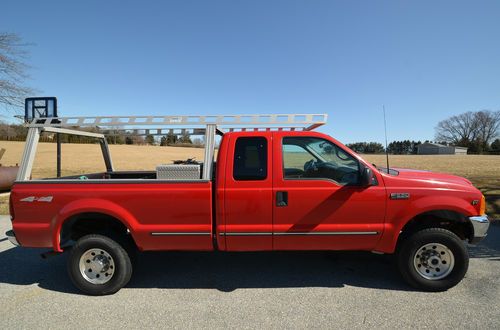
(367, 177)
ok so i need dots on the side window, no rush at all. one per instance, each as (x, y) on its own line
(250, 159)
(315, 158)
(294, 158)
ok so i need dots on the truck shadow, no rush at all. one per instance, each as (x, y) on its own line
(222, 271)
(230, 271)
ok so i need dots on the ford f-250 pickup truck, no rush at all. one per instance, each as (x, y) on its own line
(271, 189)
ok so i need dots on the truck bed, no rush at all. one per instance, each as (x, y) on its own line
(160, 215)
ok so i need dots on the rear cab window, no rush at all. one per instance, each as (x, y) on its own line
(250, 159)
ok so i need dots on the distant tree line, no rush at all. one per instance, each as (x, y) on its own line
(478, 131)
(366, 147)
(406, 147)
(16, 132)
(12, 132)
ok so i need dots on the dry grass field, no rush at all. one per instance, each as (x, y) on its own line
(483, 171)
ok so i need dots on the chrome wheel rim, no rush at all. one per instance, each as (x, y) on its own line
(97, 266)
(434, 261)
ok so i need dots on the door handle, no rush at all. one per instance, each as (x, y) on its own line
(281, 198)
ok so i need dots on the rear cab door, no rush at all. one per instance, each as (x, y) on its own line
(245, 192)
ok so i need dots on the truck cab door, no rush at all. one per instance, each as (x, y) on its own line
(248, 193)
(318, 201)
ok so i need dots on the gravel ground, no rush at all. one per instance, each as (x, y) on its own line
(248, 290)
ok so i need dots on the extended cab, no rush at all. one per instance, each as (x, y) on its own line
(273, 189)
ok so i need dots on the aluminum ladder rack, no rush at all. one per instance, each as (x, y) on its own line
(296, 121)
(187, 124)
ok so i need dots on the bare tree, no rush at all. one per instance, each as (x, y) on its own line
(459, 130)
(470, 129)
(488, 123)
(13, 71)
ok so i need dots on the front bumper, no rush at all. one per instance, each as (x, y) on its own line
(480, 224)
(12, 237)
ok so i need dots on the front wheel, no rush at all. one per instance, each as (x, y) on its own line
(97, 265)
(433, 259)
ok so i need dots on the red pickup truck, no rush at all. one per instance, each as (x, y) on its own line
(268, 190)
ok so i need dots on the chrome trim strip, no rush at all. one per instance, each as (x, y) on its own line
(315, 233)
(181, 233)
(329, 233)
(246, 234)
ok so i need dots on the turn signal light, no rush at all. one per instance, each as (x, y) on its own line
(482, 206)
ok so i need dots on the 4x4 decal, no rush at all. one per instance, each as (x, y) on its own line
(32, 199)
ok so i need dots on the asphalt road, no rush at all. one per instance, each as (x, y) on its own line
(248, 290)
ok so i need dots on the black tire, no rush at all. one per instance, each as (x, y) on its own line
(122, 270)
(407, 253)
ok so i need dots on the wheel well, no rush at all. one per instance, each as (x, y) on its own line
(83, 224)
(450, 220)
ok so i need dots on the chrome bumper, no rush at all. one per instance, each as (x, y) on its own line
(480, 224)
(12, 237)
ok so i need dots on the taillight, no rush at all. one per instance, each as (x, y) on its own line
(482, 206)
(11, 208)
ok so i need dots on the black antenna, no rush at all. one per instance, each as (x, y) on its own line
(386, 151)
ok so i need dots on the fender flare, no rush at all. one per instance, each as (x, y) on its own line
(89, 205)
(393, 227)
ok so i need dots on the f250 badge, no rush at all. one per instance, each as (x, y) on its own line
(399, 196)
(32, 199)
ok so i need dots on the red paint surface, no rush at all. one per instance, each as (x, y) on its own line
(143, 207)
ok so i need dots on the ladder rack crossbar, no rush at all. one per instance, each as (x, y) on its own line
(190, 131)
(300, 120)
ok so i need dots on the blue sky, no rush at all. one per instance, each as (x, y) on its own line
(425, 60)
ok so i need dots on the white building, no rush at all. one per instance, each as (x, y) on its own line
(440, 149)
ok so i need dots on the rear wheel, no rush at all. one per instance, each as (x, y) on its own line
(433, 259)
(98, 265)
